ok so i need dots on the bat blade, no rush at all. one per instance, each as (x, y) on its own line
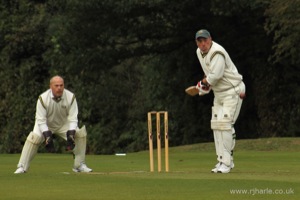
(192, 91)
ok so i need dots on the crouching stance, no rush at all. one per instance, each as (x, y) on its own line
(56, 113)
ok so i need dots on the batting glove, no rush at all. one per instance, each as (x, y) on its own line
(203, 88)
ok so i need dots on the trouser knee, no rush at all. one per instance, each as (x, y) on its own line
(35, 138)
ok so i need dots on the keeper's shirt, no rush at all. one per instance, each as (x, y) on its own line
(220, 71)
(53, 114)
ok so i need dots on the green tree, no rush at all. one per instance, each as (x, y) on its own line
(283, 25)
(108, 50)
(22, 70)
(124, 58)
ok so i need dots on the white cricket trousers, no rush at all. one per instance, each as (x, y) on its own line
(226, 109)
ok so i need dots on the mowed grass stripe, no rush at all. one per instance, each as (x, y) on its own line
(127, 177)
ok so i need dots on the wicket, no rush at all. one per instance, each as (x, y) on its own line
(158, 138)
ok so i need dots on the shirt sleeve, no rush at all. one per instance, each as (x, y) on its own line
(217, 69)
(41, 115)
(73, 115)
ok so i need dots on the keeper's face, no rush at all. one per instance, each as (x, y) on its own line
(204, 44)
(57, 86)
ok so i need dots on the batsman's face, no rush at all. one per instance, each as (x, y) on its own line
(57, 86)
(204, 44)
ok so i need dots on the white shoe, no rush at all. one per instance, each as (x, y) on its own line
(20, 170)
(224, 169)
(231, 165)
(215, 170)
(82, 168)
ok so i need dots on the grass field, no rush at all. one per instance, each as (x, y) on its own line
(264, 169)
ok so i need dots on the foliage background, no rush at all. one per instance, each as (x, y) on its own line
(123, 58)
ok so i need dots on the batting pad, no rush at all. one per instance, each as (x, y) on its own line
(80, 146)
(29, 150)
(221, 119)
(227, 146)
(224, 143)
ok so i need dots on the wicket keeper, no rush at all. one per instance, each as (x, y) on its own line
(56, 113)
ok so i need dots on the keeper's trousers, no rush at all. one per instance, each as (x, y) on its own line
(36, 138)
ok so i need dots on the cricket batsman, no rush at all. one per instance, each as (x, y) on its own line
(56, 113)
(222, 77)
